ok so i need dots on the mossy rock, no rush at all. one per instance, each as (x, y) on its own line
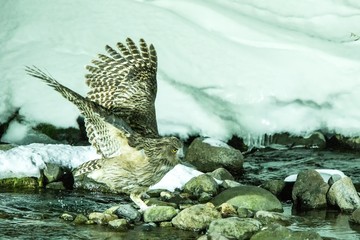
(19, 183)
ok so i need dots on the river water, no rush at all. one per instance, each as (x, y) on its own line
(35, 214)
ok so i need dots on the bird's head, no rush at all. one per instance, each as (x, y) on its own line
(174, 150)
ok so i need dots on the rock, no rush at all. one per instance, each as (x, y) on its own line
(234, 227)
(208, 154)
(212, 236)
(82, 182)
(6, 146)
(157, 202)
(221, 174)
(53, 172)
(19, 183)
(250, 197)
(80, 219)
(196, 218)
(274, 186)
(227, 210)
(355, 216)
(244, 213)
(277, 232)
(119, 224)
(314, 140)
(166, 224)
(343, 194)
(201, 184)
(159, 214)
(267, 218)
(67, 217)
(309, 191)
(102, 218)
(230, 184)
(56, 186)
(128, 212)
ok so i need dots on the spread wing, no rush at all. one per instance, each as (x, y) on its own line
(125, 83)
(106, 132)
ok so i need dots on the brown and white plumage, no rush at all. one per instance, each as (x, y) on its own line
(120, 121)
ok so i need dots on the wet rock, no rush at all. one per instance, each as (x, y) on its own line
(227, 210)
(250, 197)
(166, 224)
(67, 217)
(157, 202)
(343, 194)
(56, 186)
(221, 174)
(19, 183)
(281, 232)
(309, 191)
(274, 186)
(208, 154)
(196, 218)
(119, 224)
(314, 140)
(355, 216)
(234, 227)
(341, 142)
(6, 146)
(80, 219)
(230, 184)
(201, 184)
(82, 182)
(267, 218)
(128, 212)
(159, 214)
(53, 172)
(212, 236)
(102, 218)
(244, 213)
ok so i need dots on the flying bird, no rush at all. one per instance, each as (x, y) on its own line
(120, 121)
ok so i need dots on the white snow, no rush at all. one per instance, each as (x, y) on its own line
(325, 174)
(215, 142)
(225, 67)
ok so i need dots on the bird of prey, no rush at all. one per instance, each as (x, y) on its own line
(120, 121)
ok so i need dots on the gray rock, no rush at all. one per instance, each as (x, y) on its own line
(207, 156)
(159, 214)
(196, 218)
(314, 140)
(276, 232)
(267, 218)
(53, 172)
(309, 191)
(221, 174)
(250, 197)
(128, 212)
(343, 194)
(102, 218)
(201, 184)
(274, 186)
(234, 227)
(119, 224)
(355, 216)
(80, 219)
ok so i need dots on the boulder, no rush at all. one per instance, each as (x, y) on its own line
(309, 191)
(234, 227)
(221, 174)
(196, 218)
(274, 186)
(281, 232)
(343, 194)
(128, 212)
(208, 154)
(249, 197)
(159, 214)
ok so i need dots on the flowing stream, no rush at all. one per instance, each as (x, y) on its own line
(35, 214)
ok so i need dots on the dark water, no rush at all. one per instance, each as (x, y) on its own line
(35, 215)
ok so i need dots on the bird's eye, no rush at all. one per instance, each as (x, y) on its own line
(174, 150)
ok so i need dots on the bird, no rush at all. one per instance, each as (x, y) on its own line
(120, 121)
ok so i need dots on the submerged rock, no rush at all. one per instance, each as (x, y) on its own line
(67, 217)
(280, 232)
(309, 191)
(80, 219)
(250, 197)
(234, 227)
(196, 218)
(343, 194)
(208, 154)
(159, 214)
